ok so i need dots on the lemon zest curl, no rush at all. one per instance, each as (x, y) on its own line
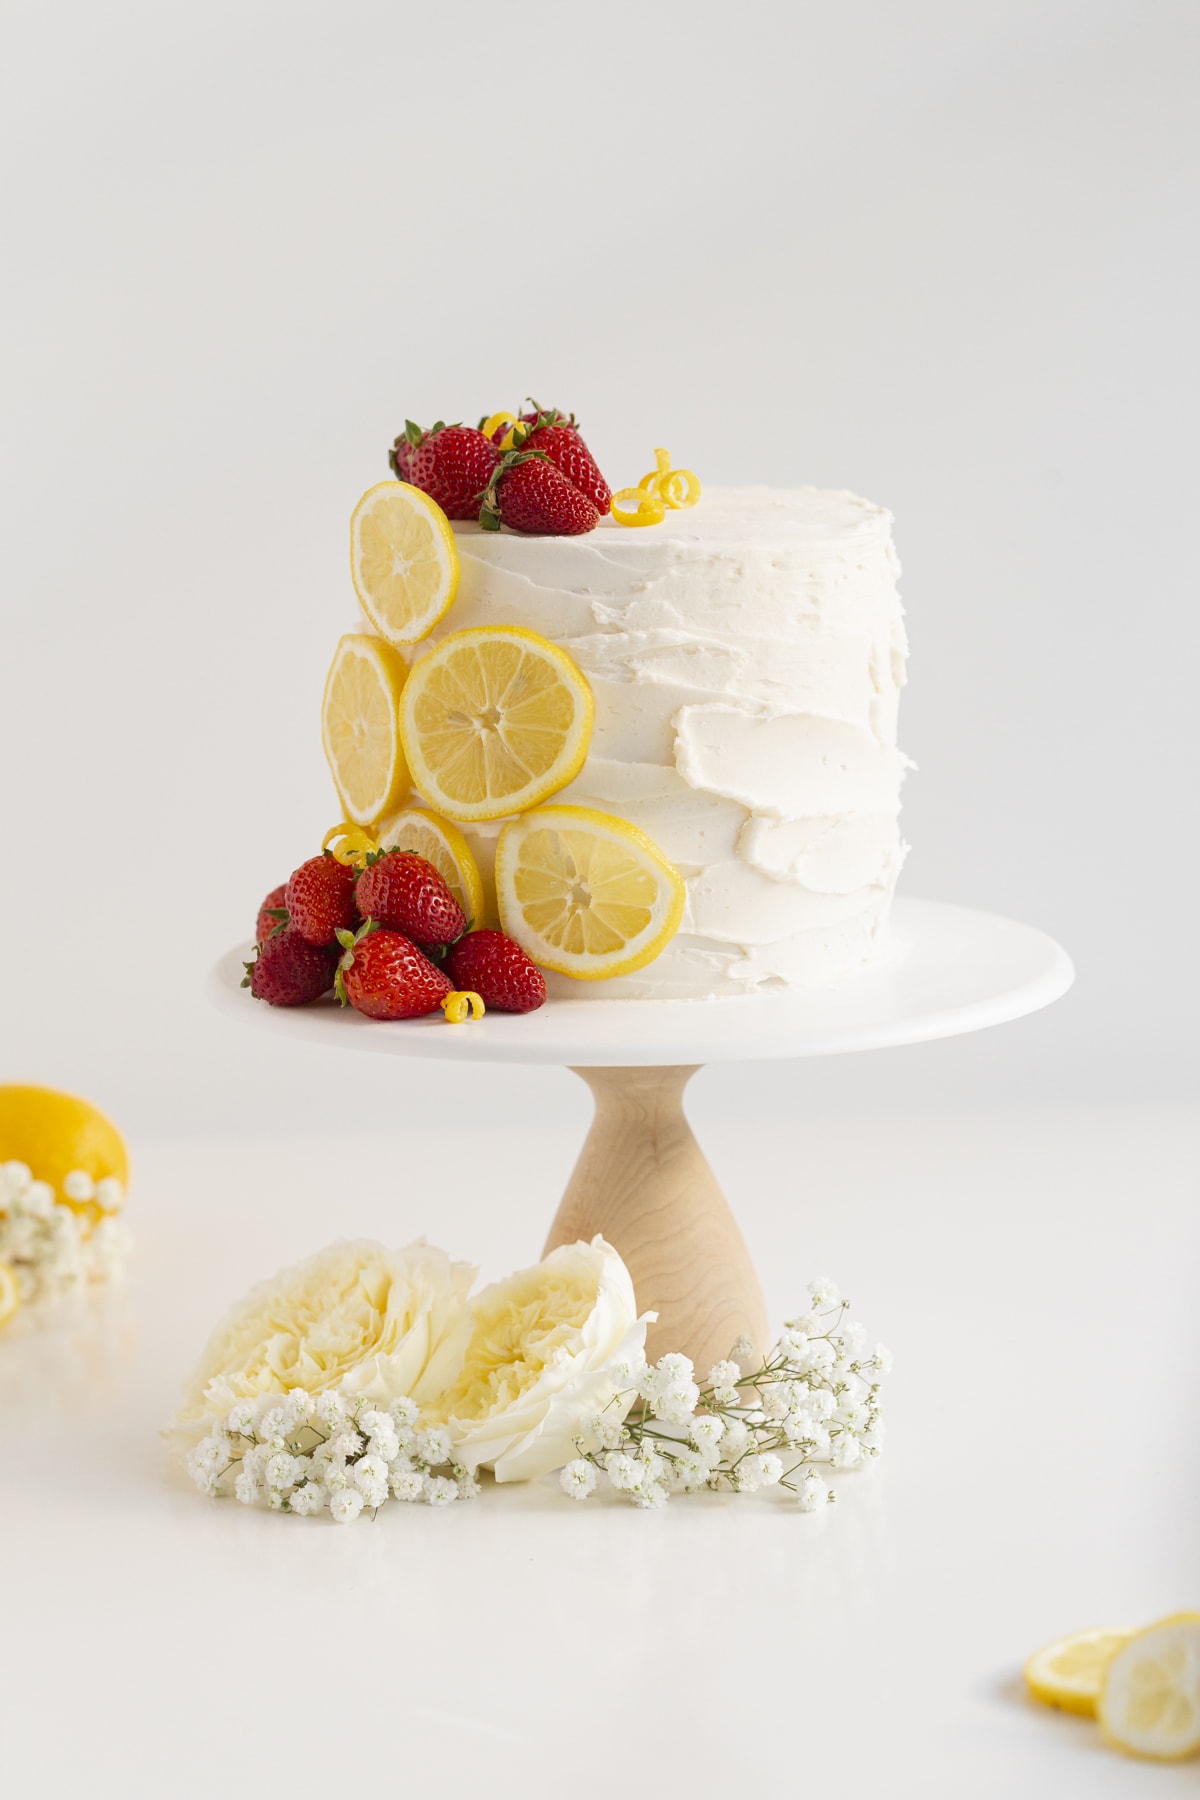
(461, 1003)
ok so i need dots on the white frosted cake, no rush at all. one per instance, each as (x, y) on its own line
(746, 659)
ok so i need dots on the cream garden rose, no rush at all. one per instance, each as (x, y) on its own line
(542, 1360)
(356, 1317)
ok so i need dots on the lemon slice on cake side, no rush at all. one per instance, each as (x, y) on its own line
(1070, 1672)
(360, 728)
(585, 893)
(1149, 1703)
(443, 845)
(403, 561)
(494, 720)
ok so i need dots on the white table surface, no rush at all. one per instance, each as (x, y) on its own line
(1035, 1276)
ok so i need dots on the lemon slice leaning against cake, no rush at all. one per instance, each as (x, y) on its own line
(585, 893)
(493, 721)
(359, 727)
(403, 561)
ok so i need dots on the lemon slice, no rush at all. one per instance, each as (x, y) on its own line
(403, 561)
(10, 1293)
(359, 727)
(57, 1135)
(1070, 1672)
(1150, 1701)
(443, 845)
(585, 893)
(493, 721)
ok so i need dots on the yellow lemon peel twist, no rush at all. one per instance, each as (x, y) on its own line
(349, 844)
(495, 422)
(462, 1004)
(663, 487)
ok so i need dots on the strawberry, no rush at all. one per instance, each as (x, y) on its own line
(320, 898)
(400, 890)
(497, 969)
(289, 971)
(527, 493)
(452, 464)
(272, 914)
(385, 976)
(558, 439)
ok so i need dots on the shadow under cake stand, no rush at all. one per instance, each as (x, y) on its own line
(641, 1179)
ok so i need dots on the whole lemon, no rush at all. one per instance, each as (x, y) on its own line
(56, 1134)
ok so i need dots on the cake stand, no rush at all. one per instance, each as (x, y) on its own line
(642, 1180)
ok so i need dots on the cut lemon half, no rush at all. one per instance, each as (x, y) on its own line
(1070, 1672)
(493, 721)
(443, 845)
(585, 893)
(10, 1293)
(403, 561)
(360, 729)
(1150, 1700)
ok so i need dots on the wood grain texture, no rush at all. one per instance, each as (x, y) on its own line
(642, 1182)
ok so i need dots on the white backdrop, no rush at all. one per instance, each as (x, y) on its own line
(940, 254)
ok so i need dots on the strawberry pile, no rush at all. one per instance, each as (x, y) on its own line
(388, 937)
(546, 481)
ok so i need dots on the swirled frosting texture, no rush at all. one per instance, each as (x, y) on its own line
(747, 659)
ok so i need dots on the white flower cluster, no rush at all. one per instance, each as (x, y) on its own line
(50, 1247)
(332, 1452)
(814, 1400)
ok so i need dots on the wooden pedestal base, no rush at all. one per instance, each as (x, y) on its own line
(643, 1183)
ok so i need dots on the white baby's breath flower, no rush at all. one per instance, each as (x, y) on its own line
(607, 1430)
(735, 1441)
(331, 1410)
(706, 1433)
(622, 1470)
(653, 1494)
(281, 1470)
(690, 1468)
(724, 1374)
(246, 1487)
(373, 1421)
(847, 1451)
(776, 1402)
(334, 1476)
(813, 1492)
(404, 1411)
(806, 1326)
(440, 1490)
(240, 1418)
(345, 1504)
(369, 1472)
(464, 1480)
(274, 1424)
(578, 1478)
(210, 1453)
(385, 1445)
(741, 1349)
(407, 1483)
(818, 1357)
(346, 1442)
(432, 1445)
(676, 1403)
(540, 1363)
(309, 1498)
(823, 1292)
(883, 1359)
(110, 1195)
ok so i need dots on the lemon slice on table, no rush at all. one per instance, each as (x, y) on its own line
(57, 1135)
(1150, 1700)
(1070, 1672)
(493, 721)
(443, 845)
(585, 893)
(403, 561)
(360, 729)
(10, 1293)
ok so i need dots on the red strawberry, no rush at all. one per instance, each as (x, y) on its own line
(385, 976)
(497, 969)
(320, 898)
(557, 437)
(453, 465)
(527, 493)
(402, 891)
(272, 914)
(289, 971)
